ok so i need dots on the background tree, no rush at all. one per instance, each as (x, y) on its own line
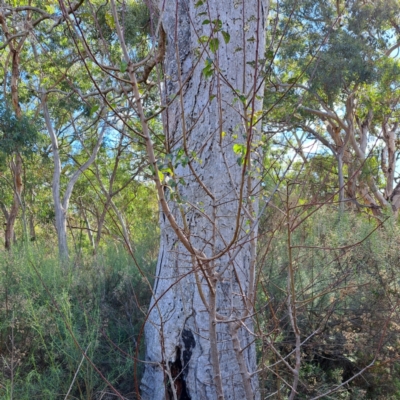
(61, 206)
(336, 70)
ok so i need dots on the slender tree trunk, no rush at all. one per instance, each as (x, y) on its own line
(60, 212)
(61, 204)
(16, 164)
(61, 227)
(18, 187)
(109, 193)
(199, 343)
(32, 232)
(389, 136)
(100, 223)
(341, 180)
(88, 228)
(125, 231)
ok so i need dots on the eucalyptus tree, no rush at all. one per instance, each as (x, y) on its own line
(19, 22)
(116, 178)
(18, 137)
(199, 332)
(50, 71)
(14, 41)
(200, 341)
(342, 90)
(61, 201)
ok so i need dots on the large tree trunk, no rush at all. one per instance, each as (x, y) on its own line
(199, 341)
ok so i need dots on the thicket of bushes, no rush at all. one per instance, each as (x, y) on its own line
(347, 283)
(45, 310)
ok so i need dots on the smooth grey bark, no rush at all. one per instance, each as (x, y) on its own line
(61, 203)
(199, 332)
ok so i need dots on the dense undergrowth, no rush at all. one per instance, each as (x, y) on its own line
(347, 283)
(98, 302)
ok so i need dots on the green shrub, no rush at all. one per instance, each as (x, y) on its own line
(347, 276)
(46, 310)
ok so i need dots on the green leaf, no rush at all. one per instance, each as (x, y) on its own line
(269, 54)
(167, 170)
(123, 66)
(242, 98)
(206, 22)
(208, 70)
(227, 36)
(180, 153)
(110, 20)
(50, 9)
(93, 109)
(203, 39)
(214, 44)
(160, 164)
(292, 80)
(185, 161)
(217, 24)
(198, 4)
(239, 148)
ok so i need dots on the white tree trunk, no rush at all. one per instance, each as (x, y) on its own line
(199, 341)
(61, 205)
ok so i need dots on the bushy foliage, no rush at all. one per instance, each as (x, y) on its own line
(347, 302)
(16, 134)
(46, 311)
